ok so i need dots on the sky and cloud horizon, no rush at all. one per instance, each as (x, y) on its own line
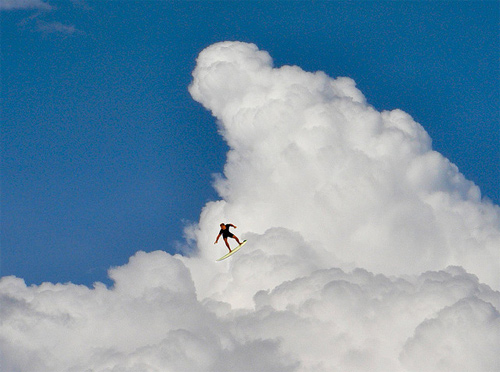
(368, 247)
(291, 134)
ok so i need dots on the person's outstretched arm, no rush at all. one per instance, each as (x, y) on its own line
(216, 240)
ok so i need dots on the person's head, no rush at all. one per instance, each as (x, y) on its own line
(222, 226)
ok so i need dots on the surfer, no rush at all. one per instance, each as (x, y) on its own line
(224, 231)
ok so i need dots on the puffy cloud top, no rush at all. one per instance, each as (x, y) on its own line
(367, 250)
(309, 155)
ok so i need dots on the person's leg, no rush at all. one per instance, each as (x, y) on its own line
(227, 244)
(236, 238)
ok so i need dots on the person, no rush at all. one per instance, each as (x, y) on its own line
(224, 231)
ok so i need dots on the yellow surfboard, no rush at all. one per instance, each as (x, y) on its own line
(233, 251)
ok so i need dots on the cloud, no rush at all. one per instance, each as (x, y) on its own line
(367, 250)
(56, 27)
(150, 320)
(307, 153)
(35, 22)
(24, 4)
(456, 339)
(330, 320)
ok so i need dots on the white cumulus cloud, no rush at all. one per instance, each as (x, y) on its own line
(308, 154)
(367, 250)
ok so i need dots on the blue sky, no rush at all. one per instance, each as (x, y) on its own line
(105, 153)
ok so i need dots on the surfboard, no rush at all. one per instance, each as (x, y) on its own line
(232, 252)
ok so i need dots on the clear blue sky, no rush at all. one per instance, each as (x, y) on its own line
(105, 153)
